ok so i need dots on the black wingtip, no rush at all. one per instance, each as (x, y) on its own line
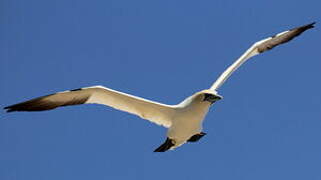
(8, 109)
(311, 25)
(305, 27)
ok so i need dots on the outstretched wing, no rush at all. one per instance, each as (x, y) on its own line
(259, 47)
(155, 112)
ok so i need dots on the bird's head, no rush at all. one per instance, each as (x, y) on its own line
(207, 96)
(201, 98)
(210, 96)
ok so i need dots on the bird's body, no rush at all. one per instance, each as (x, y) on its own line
(188, 118)
(184, 120)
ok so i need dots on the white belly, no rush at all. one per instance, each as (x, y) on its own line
(186, 123)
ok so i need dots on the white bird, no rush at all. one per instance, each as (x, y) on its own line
(184, 120)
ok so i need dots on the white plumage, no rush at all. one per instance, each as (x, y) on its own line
(184, 120)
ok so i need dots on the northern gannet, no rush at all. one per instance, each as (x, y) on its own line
(184, 120)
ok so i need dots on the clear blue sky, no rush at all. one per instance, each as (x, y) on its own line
(268, 126)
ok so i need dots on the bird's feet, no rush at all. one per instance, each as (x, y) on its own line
(165, 146)
(196, 137)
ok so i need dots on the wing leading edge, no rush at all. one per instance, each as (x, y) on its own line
(260, 47)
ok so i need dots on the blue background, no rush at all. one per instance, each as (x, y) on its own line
(268, 126)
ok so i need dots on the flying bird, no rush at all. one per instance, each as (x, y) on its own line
(184, 120)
